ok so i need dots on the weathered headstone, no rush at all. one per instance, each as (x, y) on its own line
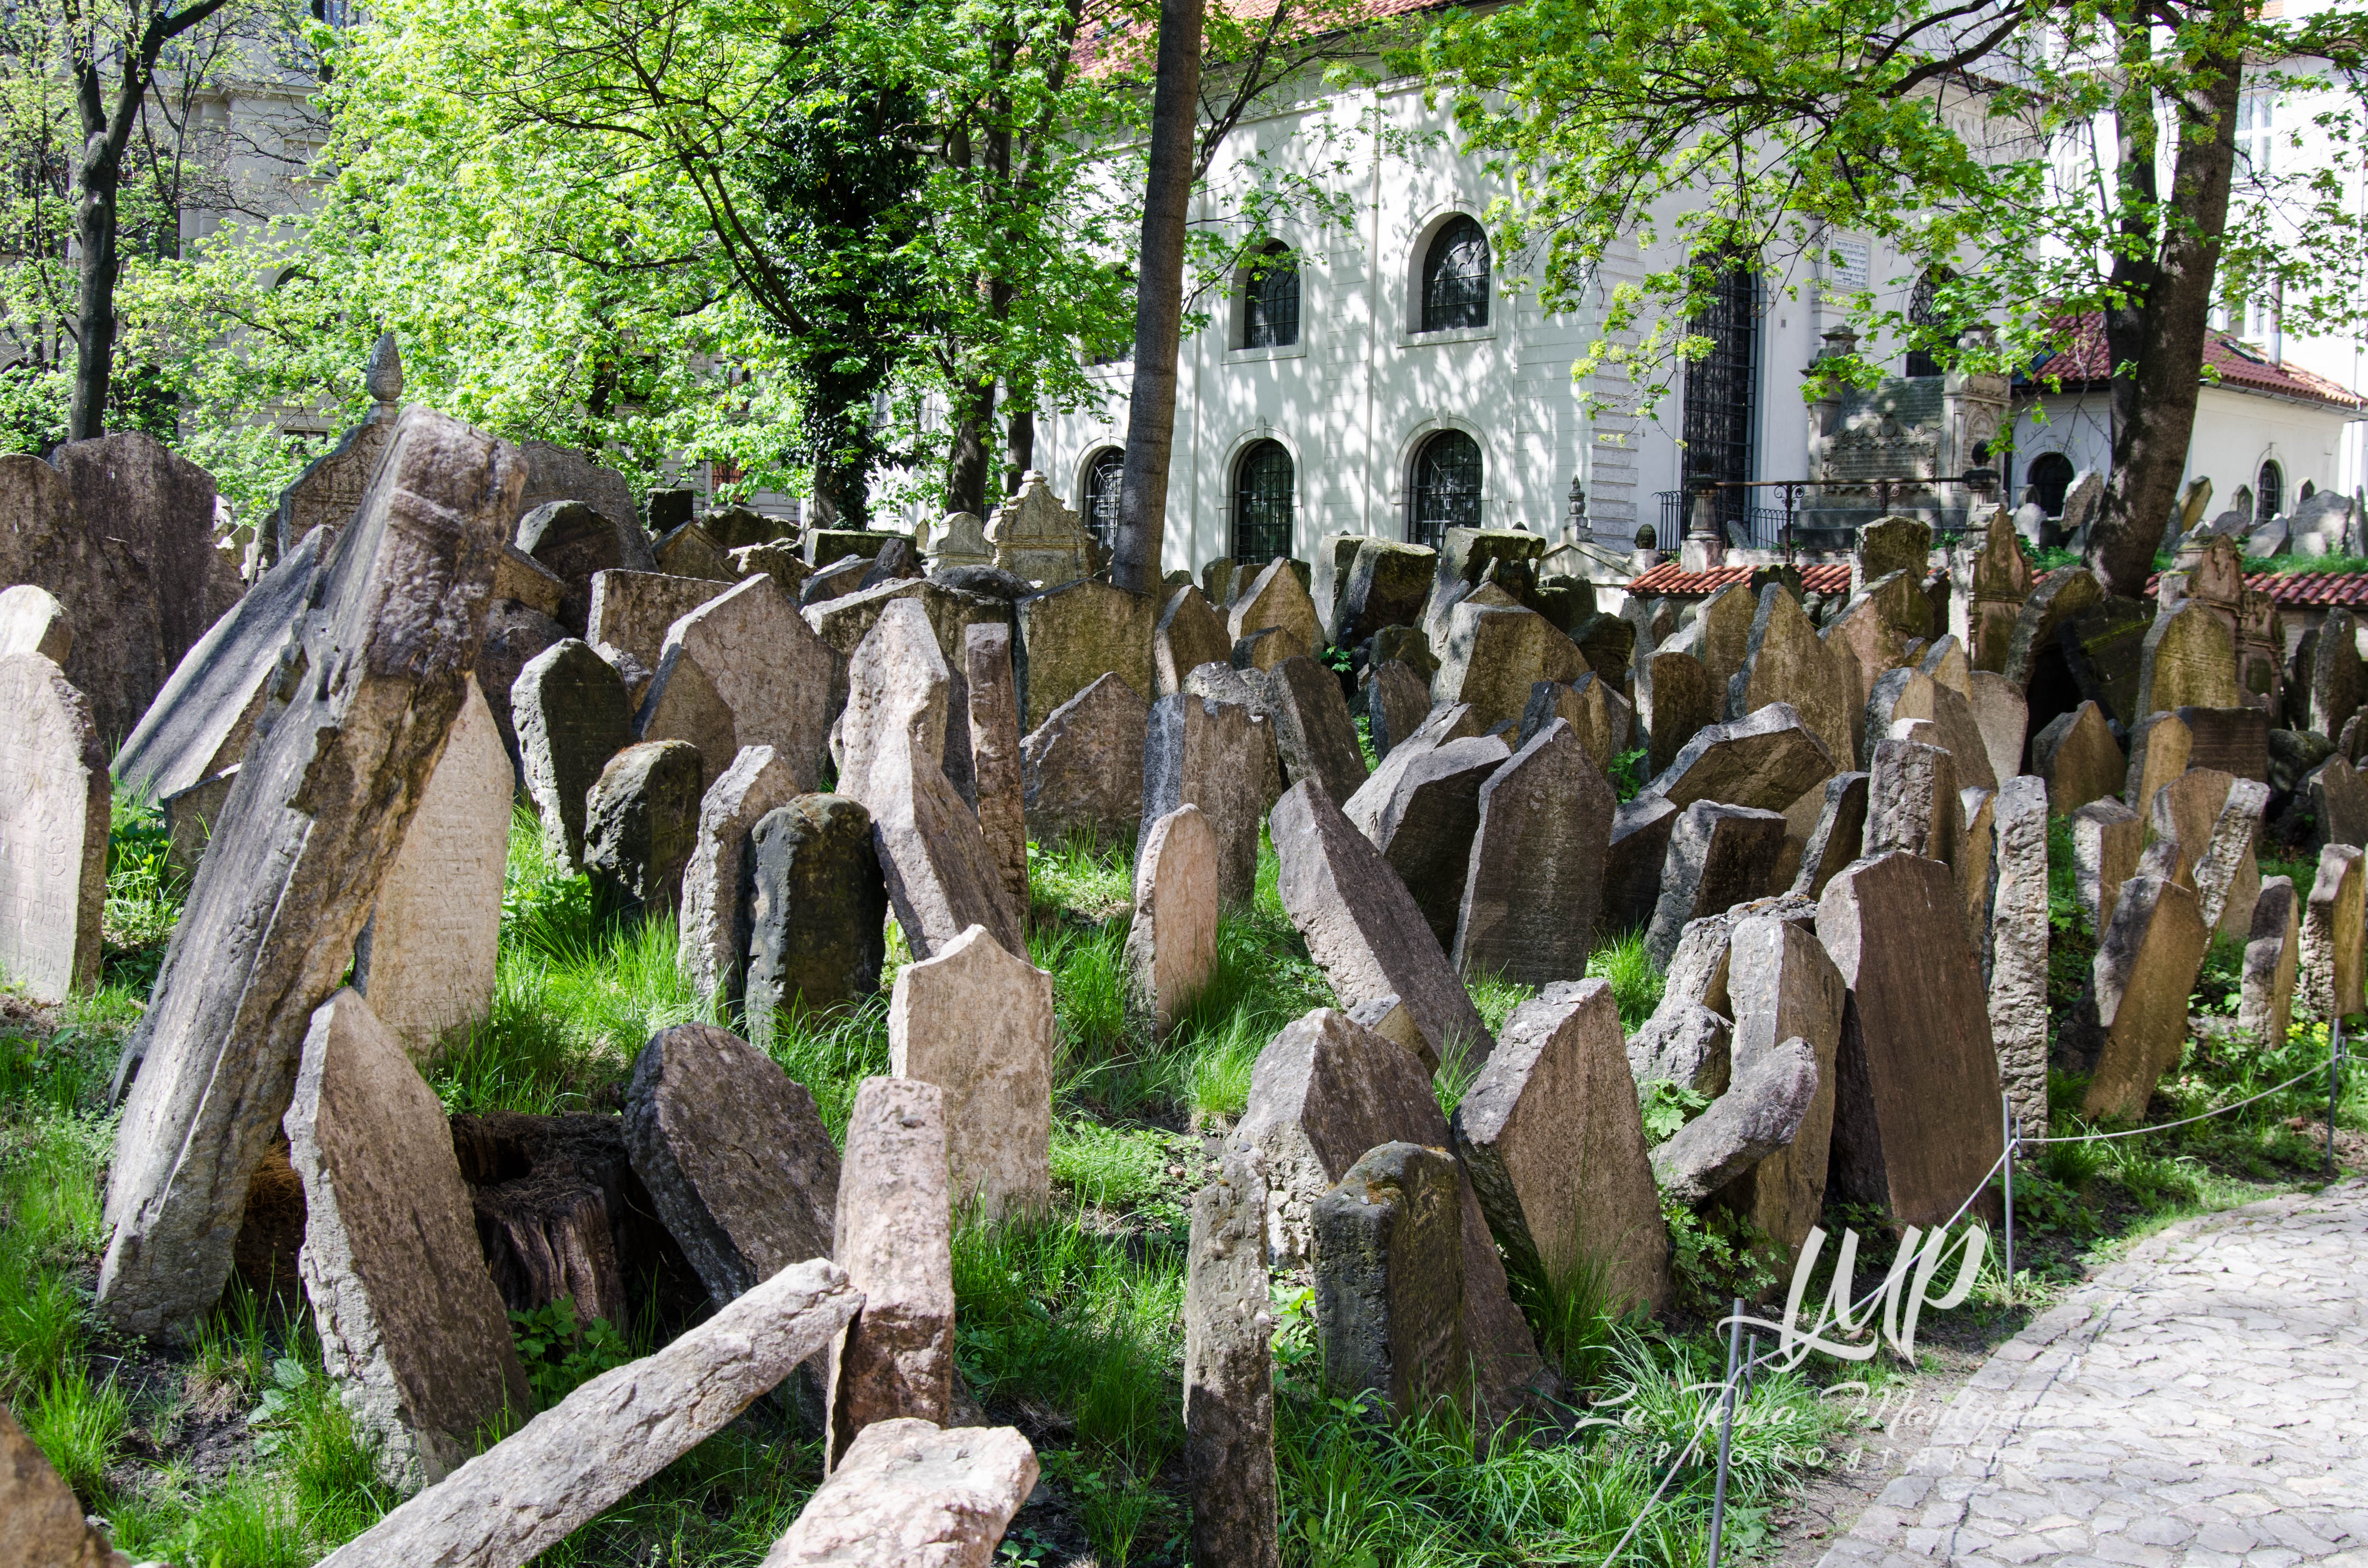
(2227, 876)
(2234, 740)
(1551, 1135)
(1081, 771)
(1229, 1371)
(2018, 951)
(1493, 655)
(815, 901)
(1722, 626)
(1680, 703)
(2273, 957)
(744, 670)
(634, 610)
(2335, 691)
(55, 804)
(1912, 801)
(716, 928)
(997, 790)
(1218, 757)
(2160, 749)
(1171, 943)
(909, 1491)
(1780, 986)
(1915, 1124)
(1888, 545)
(1189, 633)
(1386, 586)
(1313, 730)
(1397, 700)
(1761, 1121)
(1422, 809)
(977, 1021)
(1787, 663)
(1277, 597)
(411, 1326)
(426, 959)
(1877, 626)
(1363, 927)
(1632, 865)
(562, 473)
(2003, 716)
(573, 539)
(2106, 838)
(2128, 1027)
(2332, 934)
(894, 1238)
(1971, 862)
(569, 705)
(1389, 1281)
(641, 821)
(1719, 856)
(2188, 659)
(515, 635)
(304, 842)
(32, 621)
(2184, 812)
(1599, 716)
(1838, 836)
(734, 1156)
(2337, 798)
(1072, 635)
(159, 505)
(1765, 761)
(1037, 538)
(1533, 883)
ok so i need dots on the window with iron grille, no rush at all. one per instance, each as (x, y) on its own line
(1455, 278)
(1101, 496)
(1446, 488)
(1271, 298)
(2273, 494)
(1262, 504)
(1721, 387)
(1924, 312)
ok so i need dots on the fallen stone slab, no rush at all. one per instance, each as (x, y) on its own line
(297, 860)
(571, 714)
(411, 1329)
(1535, 873)
(1766, 762)
(977, 1021)
(744, 670)
(641, 821)
(1719, 856)
(612, 1432)
(896, 1241)
(1229, 1371)
(1389, 1282)
(2079, 758)
(1081, 771)
(55, 807)
(817, 901)
(2128, 1027)
(1171, 942)
(1759, 1116)
(908, 1491)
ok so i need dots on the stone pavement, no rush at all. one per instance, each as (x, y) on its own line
(2198, 1404)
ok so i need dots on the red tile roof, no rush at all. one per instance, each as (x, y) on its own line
(2302, 590)
(1668, 578)
(2085, 359)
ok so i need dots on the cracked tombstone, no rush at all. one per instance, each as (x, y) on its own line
(2227, 875)
(743, 670)
(641, 822)
(1171, 942)
(56, 804)
(2017, 949)
(893, 1224)
(2272, 957)
(977, 1021)
(1555, 1144)
(1389, 1282)
(1216, 755)
(302, 845)
(411, 1329)
(571, 716)
(815, 901)
(1719, 856)
(910, 1491)
(1535, 875)
(1081, 771)
(2079, 758)
(2129, 1026)
(1229, 1371)
(2106, 839)
(715, 883)
(2332, 934)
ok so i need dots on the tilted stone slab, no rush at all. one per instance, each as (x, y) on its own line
(1277, 598)
(1787, 662)
(1839, 836)
(634, 610)
(1912, 801)
(1761, 1117)
(2273, 958)
(612, 1432)
(1719, 856)
(713, 947)
(411, 1326)
(1081, 771)
(1189, 633)
(977, 1021)
(120, 658)
(2130, 1025)
(2079, 758)
(1495, 654)
(46, 1524)
(1218, 757)
(1171, 942)
(2189, 659)
(2185, 811)
(572, 715)
(1533, 885)
(744, 670)
(2162, 747)
(1389, 1283)
(997, 790)
(2106, 839)
(1073, 635)
(304, 841)
(1765, 762)
(2227, 876)
(1632, 865)
(2332, 934)
(2018, 949)
(1782, 988)
(1678, 703)
(894, 1231)
(1426, 824)
(817, 901)
(575, 541)
(1599, 716)
(641, 821)
(911, 1492)
(1312, 732)
(33, 622)
(1229, 1371)
(55, 807)
(2003, 716)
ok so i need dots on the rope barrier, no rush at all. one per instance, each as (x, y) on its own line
(2185, 1121)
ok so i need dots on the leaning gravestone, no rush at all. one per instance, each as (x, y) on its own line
(1719, 856)
(2106, 838)
(1494, 653)
(1601, 717)
(1554, 1140)
(55, 805)
(161, 504)
(2003, 715)
(302, 846)
(569, 705)
(1229, 1371)
(998, 789)
(1276, 598)
(2018, 954)
(895, 1230)
(1786, 662)
(2129, 1027)
(715, 927)
(2332, 934)
(744, 670)
(2189, 659)
(1397, 701)
(2272, 956)
(2335, 691)
(1215, 755)
(734, 1156)
(1632, 865)
(1171, 943)
(1680, 703)
(1070, 636)
(1722, 626)
(978, 1022)
(2079, 758)
(634, 610)
(815, 901)
(427, 959)
(118, 660)
(1916, 1125)
(1363, 927)
(2161, 748)
(641, 821)
(1081, 771)
(1388, 584)
(411, 1326)
(1423, 817)
(1766, 761)
(1758, 1120)
(1312, 728)
(1912, 801)
(1780, 986)
(1535, 876)
(1838, 836)
(1389, 1282)
(330, 489)
(574, 541)
(1189, 633)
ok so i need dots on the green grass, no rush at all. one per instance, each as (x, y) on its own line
(1635, 981)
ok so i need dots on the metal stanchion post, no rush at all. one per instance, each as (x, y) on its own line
(2334, 1087)
(2006, 1114)
(1725, 1432)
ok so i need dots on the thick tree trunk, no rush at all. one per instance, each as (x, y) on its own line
(966, 467)
(1018, 439)
(1159, 300)
(2157, 336)
(96, 181)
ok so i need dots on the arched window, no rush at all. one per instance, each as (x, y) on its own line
(1446, 488)
(1722, 396)
(2273, 493)
(1455, 278)
(1262, 505)
(1102, 495)
(1271, 298)
(1926, 311)
(2051, 476)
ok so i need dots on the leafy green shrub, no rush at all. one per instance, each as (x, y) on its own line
(561, 1354)
(1716, 1256)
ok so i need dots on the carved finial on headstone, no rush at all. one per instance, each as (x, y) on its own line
(1575, 517)
(384, 376)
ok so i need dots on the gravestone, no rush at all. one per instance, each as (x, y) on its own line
(1389, 1282)
(2184, 812)
(1916, 1125)
(894, 1238)
(1312, 732)
(1838, 836)
(1912, 802)
(1976, 826)
(977, 1021)
(1072, 635)
(2161, 748)
(691, 551)
(735, 1157)
(957, 539)
(1601, 717)
(909, 1488)
(118, 661)
(2106, 838)
(574, 541)
(1998, 581)
(2332, 935)
(1037, 538)
(1361, 924)
(2228, 877)
(1533, 883)
(428, 958)
(1190, 634)
(1493, 655)
(2337, 798)
(32, 621)
(1719, 856)
(515, 634)
(1553, 1142)
(1888, 545)
(2234, 740)
(1229, 1371)
(46, 1524)
(1723, 630)
(2003, 716)
(641, 821)
(1781, 987)
(734, 527)
(2128, 1027)
(331, 487)
(1766, 761)
(1423, 816)
(2273, 957)
(1680, 703)
(999, 792)
(1276, 598)
(1631, 866)
(815, 902)
(2018, 949)
(569, 704)
(837, 581)
(1904, 693)
(827, 546)
(1608, 642)
(1081, 771)
(55, 807)
(744, 670)
(716, 928)
(1218, 757)
(1388, 584)
(2189, 659)
(411, 1326)
(562, 473)
(1758, 1119)
(1785, 661)
(634, 610)
(1877, 626)
(1171, 943)
(1397, 700)
(304, 843)
(2335, 689)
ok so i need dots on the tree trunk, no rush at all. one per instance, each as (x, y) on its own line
(2157, 336)
(96, 181)
(966, 468)
(1018, 439)
(1159, 300)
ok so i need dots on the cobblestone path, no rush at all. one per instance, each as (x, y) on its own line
(2199, 1404)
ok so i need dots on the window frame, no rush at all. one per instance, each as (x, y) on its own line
(1456, 226)
(1260, 450)
(1425, 452)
